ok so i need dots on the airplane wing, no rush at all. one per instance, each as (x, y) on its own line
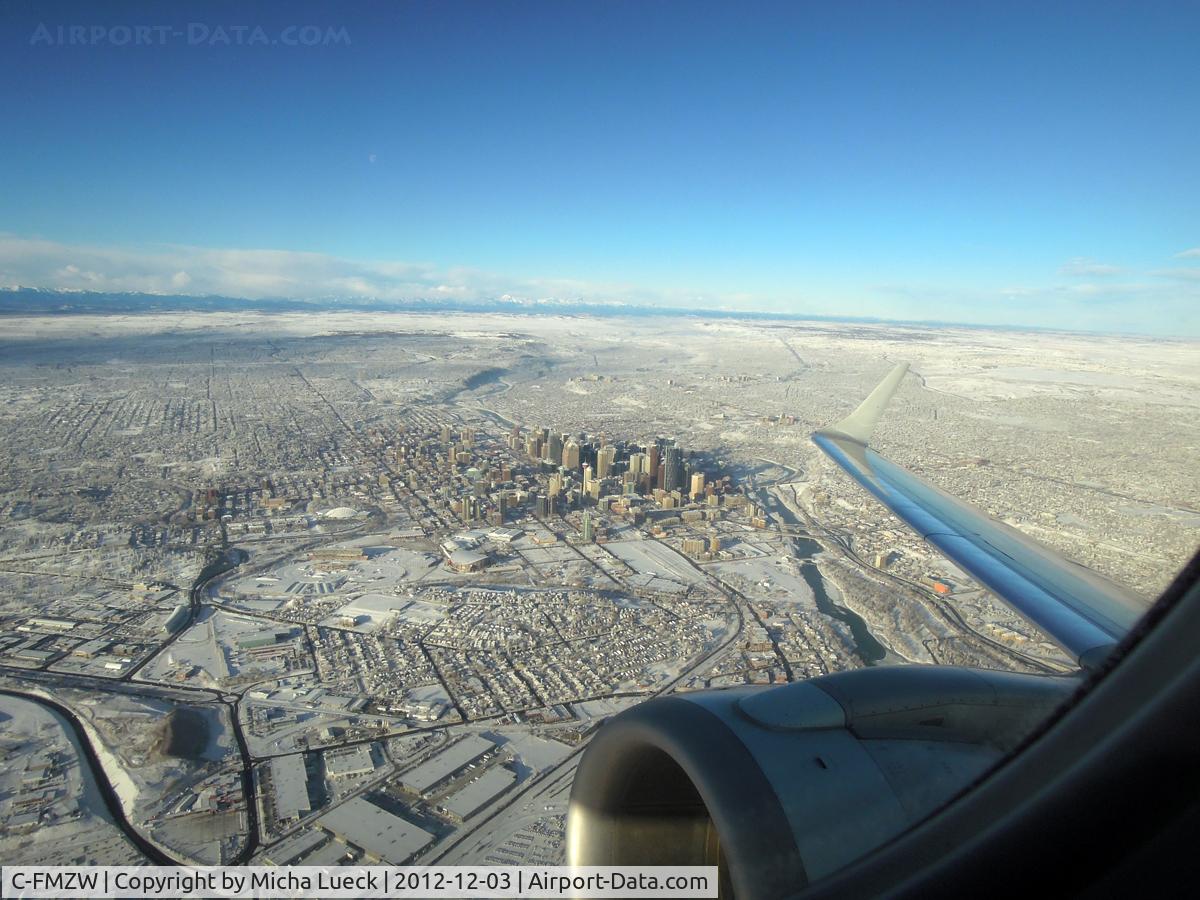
(780, 786)
(1080, 610)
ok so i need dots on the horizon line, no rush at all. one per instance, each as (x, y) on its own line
(513, 306)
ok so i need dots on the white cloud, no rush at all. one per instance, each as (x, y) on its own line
(1189, 254)
(258, 274)
(1187, 274)
(1169, 305)
(1081, 266)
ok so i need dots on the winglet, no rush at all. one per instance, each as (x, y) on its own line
(859, 425)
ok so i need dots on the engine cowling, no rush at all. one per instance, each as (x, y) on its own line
(780, 786)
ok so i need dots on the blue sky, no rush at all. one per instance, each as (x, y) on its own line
(1032, 163)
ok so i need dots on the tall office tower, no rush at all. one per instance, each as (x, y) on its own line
(570, 456)
(545, 506)
(588, 530)
(554, 449)
(444, 435)
(587, 474)
(502, 505)
(697, 484)
(654, 458)
(672, 468)
(637, 463)
(467, 436)
(556, 485)
(605, 459)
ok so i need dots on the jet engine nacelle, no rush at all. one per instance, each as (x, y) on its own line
(780, 786)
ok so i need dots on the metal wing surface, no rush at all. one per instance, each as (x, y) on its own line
(1083, 612)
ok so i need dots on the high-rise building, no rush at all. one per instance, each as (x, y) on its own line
(654, 460)
(502, 505)
(588, 530)
(672, 468)
(697, 484)
(555, 484)
(554, 449)
(545, 506)
(570, 454)
(605, 458)
(637, 463)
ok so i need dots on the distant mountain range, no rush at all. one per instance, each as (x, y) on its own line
(25, 301)
(46, 301)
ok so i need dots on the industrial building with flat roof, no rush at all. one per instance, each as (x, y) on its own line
(446, 763)
(335, 853)
(294, 846)
(289, 787)
(479, 793)
(375, 831)
(349, 762)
